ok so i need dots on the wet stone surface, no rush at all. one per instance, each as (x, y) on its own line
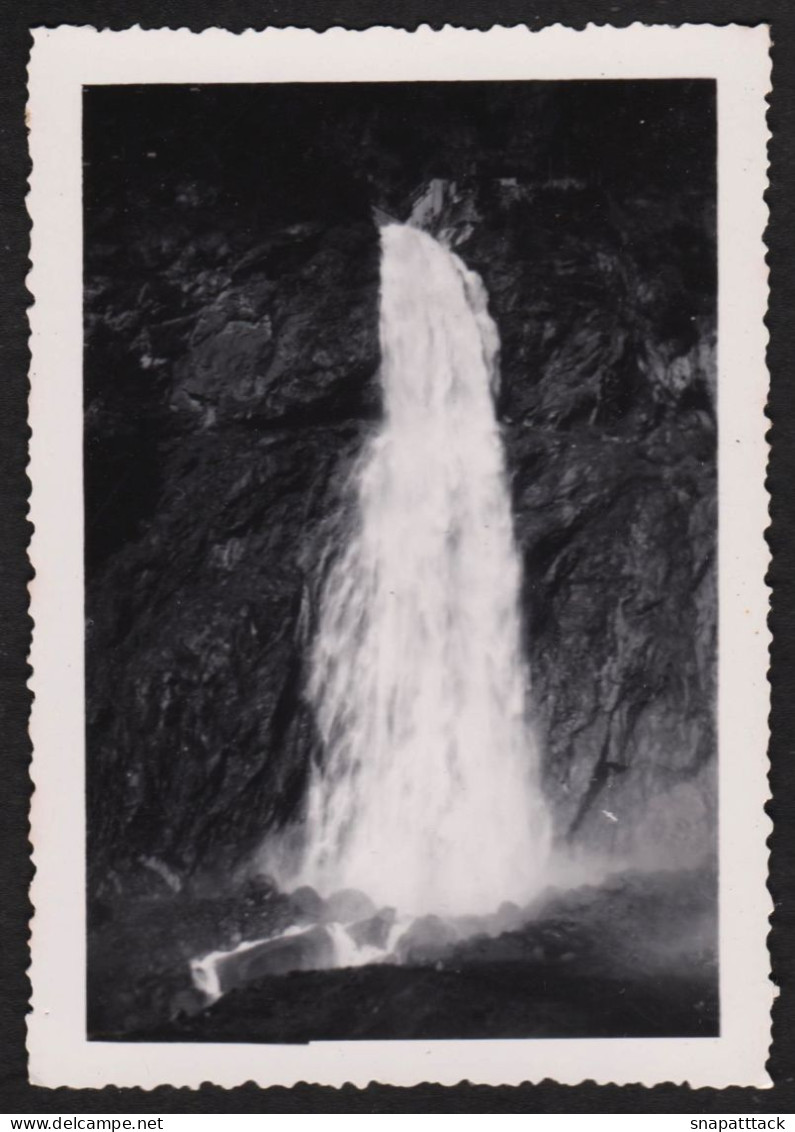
(636, 952)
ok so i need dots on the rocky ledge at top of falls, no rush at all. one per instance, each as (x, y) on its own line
(244, 381)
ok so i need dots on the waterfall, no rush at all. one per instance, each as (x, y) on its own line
(426, 797)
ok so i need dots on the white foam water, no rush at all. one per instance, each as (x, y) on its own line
(206, 970)
(427, 796)
(348, 953)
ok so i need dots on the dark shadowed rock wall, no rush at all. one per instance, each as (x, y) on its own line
(231, 377)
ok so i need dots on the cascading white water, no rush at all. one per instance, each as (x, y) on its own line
(427, 798)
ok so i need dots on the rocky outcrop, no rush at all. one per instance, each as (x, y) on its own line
(197, 625)
(311, 950)
(608, 405)
(231, 378)
(634, 956)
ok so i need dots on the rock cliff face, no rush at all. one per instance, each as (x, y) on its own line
(231, 378)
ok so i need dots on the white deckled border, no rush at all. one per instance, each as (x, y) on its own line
(62, 62)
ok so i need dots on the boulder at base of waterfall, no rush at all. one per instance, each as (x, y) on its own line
(312, 950)
(348, 906)
(373, 932)
(468, 926)
(425, 941)
(307, 905)
(507, 918)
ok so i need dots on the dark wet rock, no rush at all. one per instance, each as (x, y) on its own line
(348, 905)
(497, 1000)
(427, 939)
(312, 950)
(259, 892)
(187, 1003)
(634, 955)
(139, 955)
(509, 947)
(467, 926)
(507, 917)
(638, 920)
(631, 921)
(258, 350)
(635, 932)
(373, 932)
(307, 905)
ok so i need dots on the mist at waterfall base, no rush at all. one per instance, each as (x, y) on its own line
(400, 561)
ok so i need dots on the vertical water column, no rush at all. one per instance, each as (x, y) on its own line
(427, 797)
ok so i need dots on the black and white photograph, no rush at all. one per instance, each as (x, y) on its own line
(401, 468)
(400, 560)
